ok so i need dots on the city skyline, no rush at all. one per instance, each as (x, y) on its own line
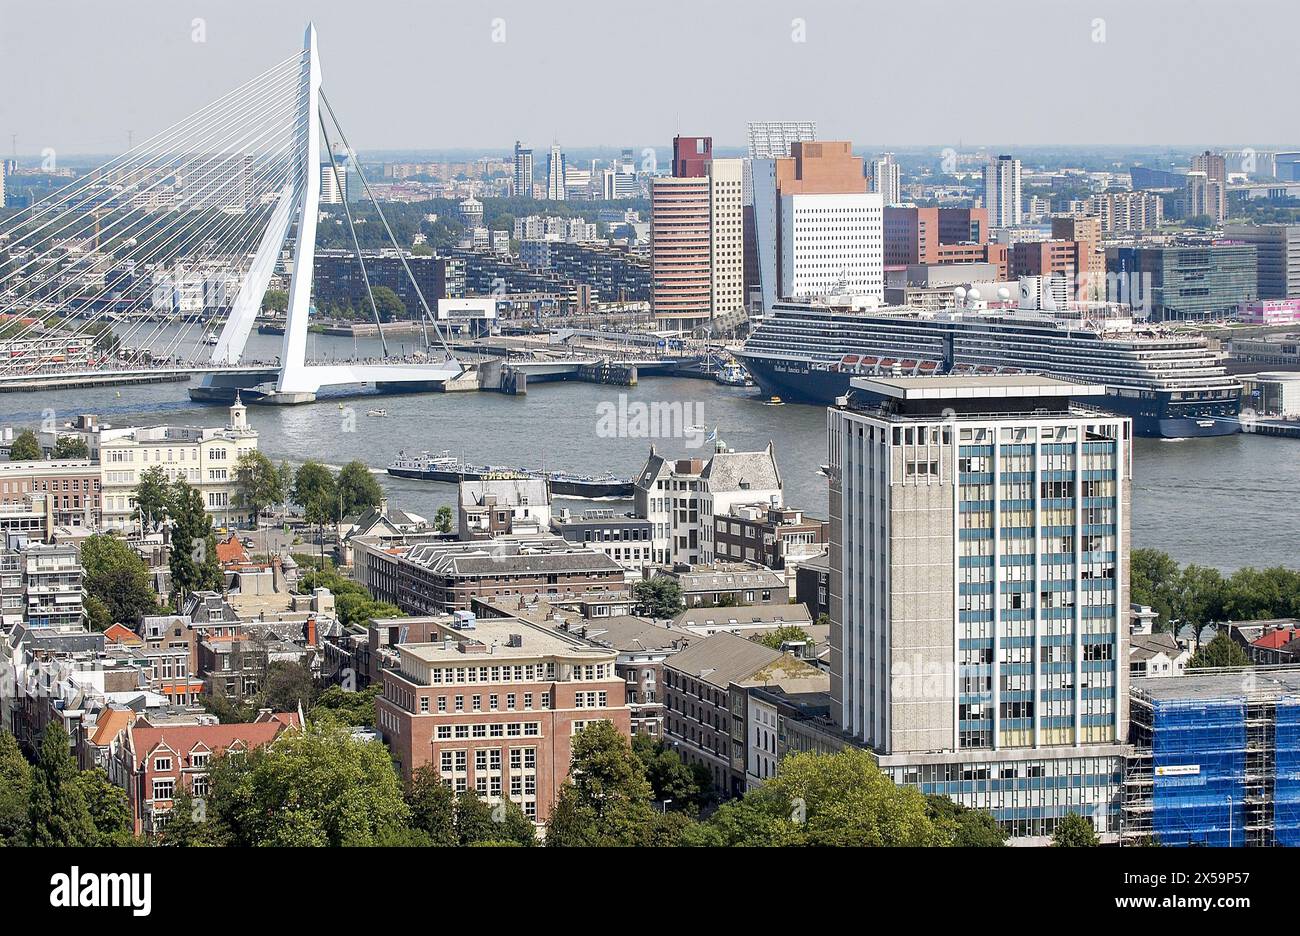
(191, 57)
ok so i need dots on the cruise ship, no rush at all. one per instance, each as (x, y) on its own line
(1173, 385)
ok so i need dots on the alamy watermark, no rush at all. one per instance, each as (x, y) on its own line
(659, 419)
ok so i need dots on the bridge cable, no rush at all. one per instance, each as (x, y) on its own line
(401, 253)
(340, 185)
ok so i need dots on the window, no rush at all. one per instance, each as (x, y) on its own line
(162, 763)
(164, 789)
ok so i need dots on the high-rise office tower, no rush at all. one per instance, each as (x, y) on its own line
(816, 228)
(727, 237)
(555, 187)
(523, 177)
(768, 140)
(697, 238)
(1207, 186)
(1002, 191)
(887, 179)
(979, 591)
(680, 253)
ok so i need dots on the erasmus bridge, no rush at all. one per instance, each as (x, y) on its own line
(112, 277)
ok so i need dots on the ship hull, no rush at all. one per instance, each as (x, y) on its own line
(797, 382)
(563, 487)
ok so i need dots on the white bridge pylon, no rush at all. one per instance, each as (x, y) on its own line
(298, 381)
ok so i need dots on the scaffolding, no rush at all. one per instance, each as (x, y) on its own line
(1215, 759)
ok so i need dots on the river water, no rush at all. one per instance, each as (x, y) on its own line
(1226, 502)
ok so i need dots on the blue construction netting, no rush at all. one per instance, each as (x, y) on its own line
(1286, 776)
(1199, 760)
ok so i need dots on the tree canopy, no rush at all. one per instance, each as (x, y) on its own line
(1200, 595)
(118, 580)
(25, 447)
(1074, 831)
(258, 483)
(659, 597)
(358, 488)
(68, 446)
(1221, 651)
(193, 561)
(315, 787)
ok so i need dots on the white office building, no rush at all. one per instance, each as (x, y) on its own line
(727, 240)
(887, 179)
(832, 244)
(979, 591)
(205, 457)
(1002, 192)
(555, 175)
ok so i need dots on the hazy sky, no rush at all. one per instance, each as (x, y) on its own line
(404, 74)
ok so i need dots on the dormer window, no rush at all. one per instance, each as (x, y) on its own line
(162, 763)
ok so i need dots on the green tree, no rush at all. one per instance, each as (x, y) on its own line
(193, 561)
(669, 777)
(442, 519)
(15, 790)
(1074, 831)
(1154, 575)
(433, 806)
(316, 492)
(187, 824)
(659, 597)
(786, 633)
(57, 814)
(967, 828)
(473, 818)
(357, 488)
(117, 581)
(109, 808)
(25, 447)
(153, 493)
(606, 800)
(388, 304)
(354, 709)
(318, 787)
(288, 684)
(67, 446)
(839, 799)
(1221, 651)
(258, 484)
(275, 300)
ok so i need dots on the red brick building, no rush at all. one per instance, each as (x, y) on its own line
(151, 764)
(494, 704)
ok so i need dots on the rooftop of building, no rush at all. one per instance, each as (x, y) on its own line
(1209, 685)
(1146, 646)
(496, 639)
(725, 658)
(628, 633)
(508, 492)
(769, 616)
(510, 555)
(974, 387)
(725, 576)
